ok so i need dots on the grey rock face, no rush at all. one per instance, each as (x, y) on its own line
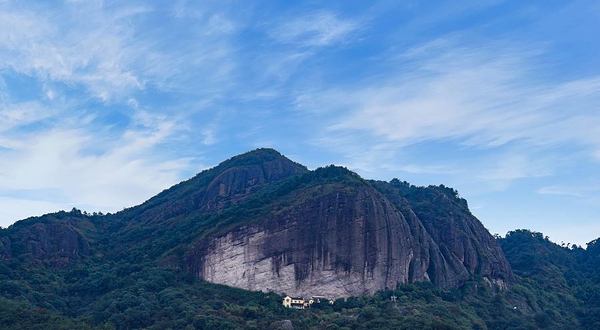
(461, 238)
(235, 184)
(341, 244)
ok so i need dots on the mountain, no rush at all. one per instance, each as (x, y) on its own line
(329, 232)
(263, 223)
(259, 221)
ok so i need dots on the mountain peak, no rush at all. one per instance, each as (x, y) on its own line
(219, 187)
(257, 157)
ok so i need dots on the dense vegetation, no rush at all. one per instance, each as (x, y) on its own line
(108, 271)
(554, 289)
(558, 282)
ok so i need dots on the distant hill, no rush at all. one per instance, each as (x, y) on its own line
(262, 222)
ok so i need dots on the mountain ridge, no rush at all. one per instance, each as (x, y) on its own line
(326, 231)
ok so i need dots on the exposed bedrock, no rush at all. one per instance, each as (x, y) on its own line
(340, 244)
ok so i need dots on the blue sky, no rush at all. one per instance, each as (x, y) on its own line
(103, 104)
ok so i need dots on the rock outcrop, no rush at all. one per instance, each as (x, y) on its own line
(340, 240)
(49, 240)
(217, 188)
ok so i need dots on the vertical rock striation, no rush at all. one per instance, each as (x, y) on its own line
(339, 241)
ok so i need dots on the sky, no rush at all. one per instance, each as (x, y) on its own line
(104, 104)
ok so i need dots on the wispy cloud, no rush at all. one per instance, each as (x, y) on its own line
(424, 169)
(117, 152)
(209, 136)
(478, 96)
(96, 53)
(483, 98)
(506, 168)
(122, 173)
(561, 191)
(109, 49)
(322, 28)
(296, 39)
(588, 192)
(19, 114)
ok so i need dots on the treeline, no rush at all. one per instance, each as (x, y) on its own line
(556, 287)
(100, 294)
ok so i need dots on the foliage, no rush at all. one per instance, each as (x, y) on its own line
(126, 295)
(118, 284)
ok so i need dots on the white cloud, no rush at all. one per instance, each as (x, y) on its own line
(111, 51)
(477, 96)
(315, 29)
(560, 191)
(94, 51)
(122, 173)
(217, 24)
(509, 167)
(50, 94)
(424, 169)
(117, 154)
(302, 37)
(19, 114)
(588, 192)
(209, 137)
(283, 65)
(486, 99)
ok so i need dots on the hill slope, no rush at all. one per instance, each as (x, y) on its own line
(260, 221)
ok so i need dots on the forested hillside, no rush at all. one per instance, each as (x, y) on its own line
(555, 288)
(425, 262)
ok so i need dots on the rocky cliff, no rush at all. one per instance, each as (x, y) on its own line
(340, 236)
